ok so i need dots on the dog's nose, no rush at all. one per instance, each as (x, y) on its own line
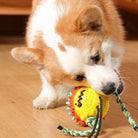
(109, 88)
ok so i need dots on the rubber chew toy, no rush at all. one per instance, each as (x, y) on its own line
(85, 106)
(88, 107)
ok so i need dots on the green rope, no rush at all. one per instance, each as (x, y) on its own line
(125, 111)
(90, 122)
(76, 133)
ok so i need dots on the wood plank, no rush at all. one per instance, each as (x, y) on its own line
(15, 10)
(15, 2)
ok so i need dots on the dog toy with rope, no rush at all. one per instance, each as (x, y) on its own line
(88, 107)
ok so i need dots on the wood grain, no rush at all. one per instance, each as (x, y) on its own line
(15, 2)
(15, 7)
(15, 10)
(128, 5)
(19, 85)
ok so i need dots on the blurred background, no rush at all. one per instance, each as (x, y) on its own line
(14, 15)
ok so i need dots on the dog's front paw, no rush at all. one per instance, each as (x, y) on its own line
(44, 103)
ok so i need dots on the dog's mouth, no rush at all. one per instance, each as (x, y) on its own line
(121, 87)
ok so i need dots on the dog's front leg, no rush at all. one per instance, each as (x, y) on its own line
(48, 96)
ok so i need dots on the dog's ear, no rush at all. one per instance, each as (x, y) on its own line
(90, 19)
(30, 56)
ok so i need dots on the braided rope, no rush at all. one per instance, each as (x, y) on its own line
(90, 122)
(125, 111)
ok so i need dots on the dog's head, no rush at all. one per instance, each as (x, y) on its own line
(83, 50)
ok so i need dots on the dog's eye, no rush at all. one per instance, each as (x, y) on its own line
(96, 58)
(79, 77)
(95, 27)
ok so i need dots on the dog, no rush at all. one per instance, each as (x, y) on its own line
(73, 43)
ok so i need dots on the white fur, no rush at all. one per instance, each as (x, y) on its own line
(47, 88)
(51, 92)
(44, 20)
(47, 97)
(112, 53)
(71, 60)
(51, 96)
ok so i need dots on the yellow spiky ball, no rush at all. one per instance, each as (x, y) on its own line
(83, 102)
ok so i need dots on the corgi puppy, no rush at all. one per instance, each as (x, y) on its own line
(73, 43)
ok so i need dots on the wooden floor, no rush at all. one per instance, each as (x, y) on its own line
(19, 85)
